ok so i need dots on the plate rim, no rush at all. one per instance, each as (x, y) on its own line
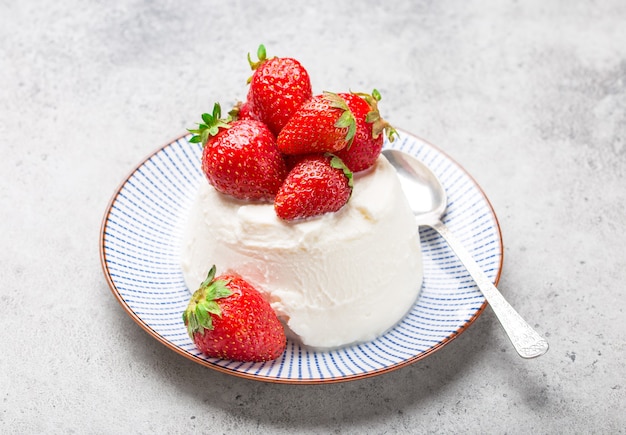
(300, 381)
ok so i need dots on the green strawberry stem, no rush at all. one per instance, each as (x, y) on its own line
(346, 120)
(379, 125)
(210, 127)
(254, 65)
(197, 317)
(235, 111)
(261, 54)
(337, 163)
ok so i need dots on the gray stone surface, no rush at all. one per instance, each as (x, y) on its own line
(529, 96)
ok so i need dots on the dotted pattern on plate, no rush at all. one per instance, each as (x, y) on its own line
(140, 252)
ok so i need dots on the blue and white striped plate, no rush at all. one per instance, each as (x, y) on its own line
(140, 253)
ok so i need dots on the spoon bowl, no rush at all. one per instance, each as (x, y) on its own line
(428, 201)
(423, 190)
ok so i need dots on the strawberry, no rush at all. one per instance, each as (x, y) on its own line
(317, 184)
(323, 124)
(368, 140)
(228, 318)
(240, 158)
(243, 111)
(278, 87)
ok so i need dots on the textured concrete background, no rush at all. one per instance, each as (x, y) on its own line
(528, 96)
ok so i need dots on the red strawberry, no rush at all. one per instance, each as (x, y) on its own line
(240, 158)
(323, 124)
(278, 87)
(317, 184)
(243, 111)
(228, 318)
(368, 140)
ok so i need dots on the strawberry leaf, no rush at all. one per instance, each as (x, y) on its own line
(372, 116)
(211, 126)
(221, 289)
(209, 277)
(351, 132)
(337, 163)
(203, 316)
(379, 125)
(335, 101)
(212, 307)
(346, 119)
(217, 290)
(261, 53)
(391, 133)
(193, 326)
(254, 65)
(203, 305)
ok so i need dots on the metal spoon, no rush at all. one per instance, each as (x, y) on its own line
(428, 200)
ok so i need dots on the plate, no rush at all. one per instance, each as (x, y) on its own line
(140, 245)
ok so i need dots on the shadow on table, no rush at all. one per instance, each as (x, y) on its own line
(438, 383)
(326, 406)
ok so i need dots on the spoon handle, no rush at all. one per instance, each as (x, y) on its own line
(527, 342)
